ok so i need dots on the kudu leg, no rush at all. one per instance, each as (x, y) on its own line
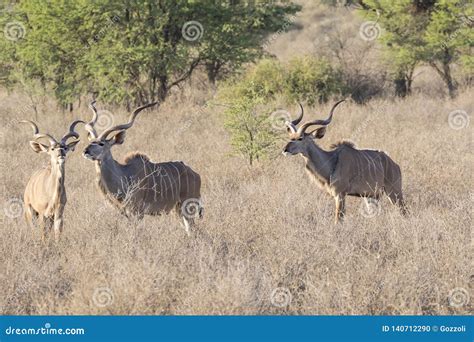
(58, 223)
(42, 226)
(397, 199)
(58, 228)
(188, 223)
(340, 207)
(29, 216)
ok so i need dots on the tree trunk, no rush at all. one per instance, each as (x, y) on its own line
(445, 73)
(212, 72)
(403, 81)
(401, 88)
(162, 92)
(448, 79)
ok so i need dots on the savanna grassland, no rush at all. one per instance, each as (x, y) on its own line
(267, 243)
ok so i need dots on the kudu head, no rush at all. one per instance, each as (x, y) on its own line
(100, 145)
(57, 150)
(300, 140)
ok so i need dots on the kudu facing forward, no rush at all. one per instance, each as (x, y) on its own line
(345, 170)
(140, 186)
(45, 194)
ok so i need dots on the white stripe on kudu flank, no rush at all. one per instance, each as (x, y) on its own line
(166, 177)
(358, 172)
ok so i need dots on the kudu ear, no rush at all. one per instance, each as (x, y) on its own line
(38, 147)
(72, 145)
(318, 133)
(118, 138)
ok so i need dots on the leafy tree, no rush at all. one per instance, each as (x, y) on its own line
(47, 50)
(449, 38)
(134, 51)
(403, 24)
(436, 32)
(234, 34)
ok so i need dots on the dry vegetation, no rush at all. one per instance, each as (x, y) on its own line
(264, 227)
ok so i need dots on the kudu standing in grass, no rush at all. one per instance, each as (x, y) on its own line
(140, 186)
(344, 170)
(45, 194)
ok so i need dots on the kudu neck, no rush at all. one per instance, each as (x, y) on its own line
(57, 171)
(56, 180)
(319, 160)
(110, 173)
(108, 163)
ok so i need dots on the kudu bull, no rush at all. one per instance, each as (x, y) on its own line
(45, 194)
(140, 186)
(344, 170)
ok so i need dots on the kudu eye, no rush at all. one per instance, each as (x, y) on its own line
(101, 143)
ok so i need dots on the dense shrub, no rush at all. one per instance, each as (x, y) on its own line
(312, 80)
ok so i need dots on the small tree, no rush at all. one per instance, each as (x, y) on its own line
(437, 32)
(251, 100)
(448, 36)
(252, 135)
(248, 108)
(403, 23)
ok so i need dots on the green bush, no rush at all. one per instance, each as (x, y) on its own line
(266, 79)
(311, 80)
(251, 99)
(247, 113)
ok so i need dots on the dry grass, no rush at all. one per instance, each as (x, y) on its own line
(265, 227)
